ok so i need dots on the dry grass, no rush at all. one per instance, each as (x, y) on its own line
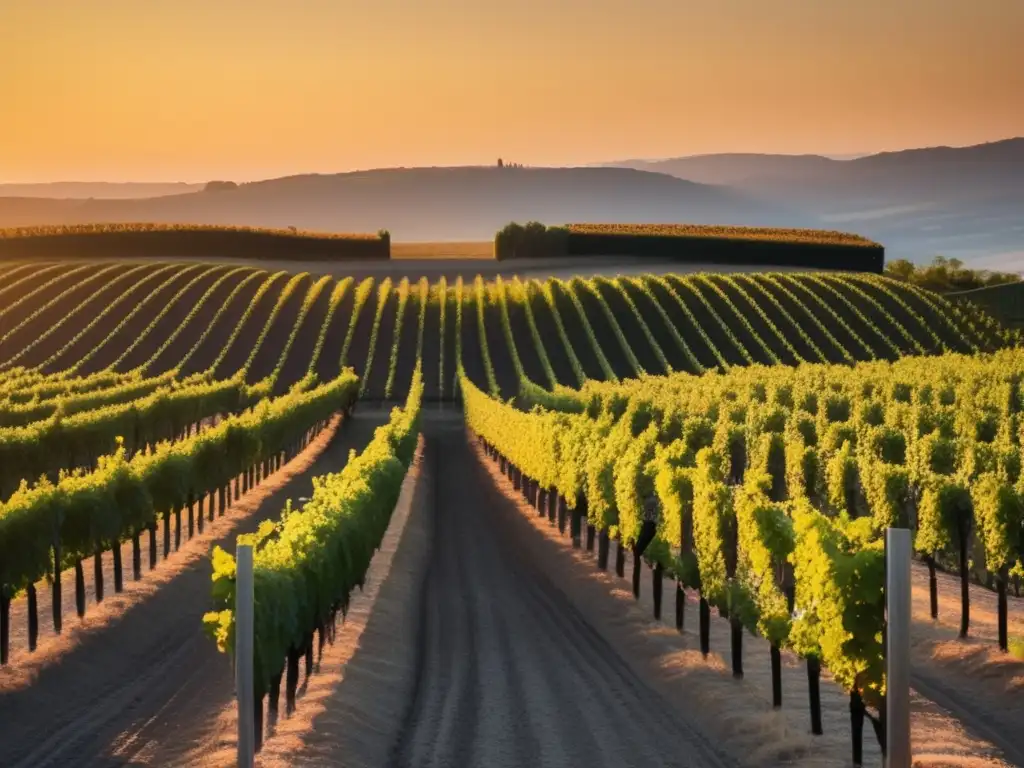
(939, 741)
(816, 236)
(986, 660)
(454, 250)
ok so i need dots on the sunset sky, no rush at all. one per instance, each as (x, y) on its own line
(198, 89)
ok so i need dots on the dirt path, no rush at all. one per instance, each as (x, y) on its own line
(510, 673)
(147, 685)
(971, 678)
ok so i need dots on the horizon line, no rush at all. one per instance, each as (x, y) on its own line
(835, 156)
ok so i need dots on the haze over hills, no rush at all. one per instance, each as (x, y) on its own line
(100, 190)
(965, 201)
(957, 201)
(890, 177)
(464, 203)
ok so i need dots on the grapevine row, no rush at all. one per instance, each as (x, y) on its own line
(634, 363)
(253, 276)
(38, 312)
(569, 289)
(111, 307)
(307, 304)
(442, 297)
(617, 285)
(306, 565)
(547, 293)
(771, 487)
(506, 327)
(383, 291)
(777, 282)
(125, 323)
(744, 322)
(80, 440)
(341, 288)
(671, 283)
(290, 288)
(521, 292)
(396, 335)
(262, 291)
(27, 297)
(164, 311)
(738, 281)
(193, 313)
(55, 525)
(363, 291)
(480, 299)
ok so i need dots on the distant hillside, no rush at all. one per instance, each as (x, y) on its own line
(429, 203)
(735, 168)
(909, 171)
(101, 190)
(955, 201)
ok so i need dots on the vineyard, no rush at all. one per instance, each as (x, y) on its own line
(767, 490)
(747, 437)
(94, 324)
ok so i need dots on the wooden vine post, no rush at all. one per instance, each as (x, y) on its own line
(244, 684)
(897, 647)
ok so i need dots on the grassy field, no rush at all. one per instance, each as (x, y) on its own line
(441, 250)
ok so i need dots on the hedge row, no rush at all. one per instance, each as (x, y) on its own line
(694, 244)
(173, 241)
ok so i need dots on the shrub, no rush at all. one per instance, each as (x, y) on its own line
(220, 186)
(530, 241)
(945, 275)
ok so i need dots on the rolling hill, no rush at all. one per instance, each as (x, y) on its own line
(81, 190)
(906, 177)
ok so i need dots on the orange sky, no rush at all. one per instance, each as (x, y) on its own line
(198, 89)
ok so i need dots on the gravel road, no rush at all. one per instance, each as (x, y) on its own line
(509, 672)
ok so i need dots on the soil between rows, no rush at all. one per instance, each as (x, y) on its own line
(144, 687)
